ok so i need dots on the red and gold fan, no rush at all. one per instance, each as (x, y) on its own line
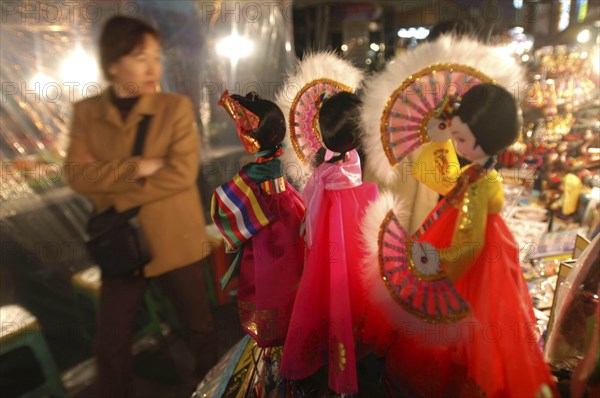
(418, 106)
(411, 272)
(402, 280)
(317, 77)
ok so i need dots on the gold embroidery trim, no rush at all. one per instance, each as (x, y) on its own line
(467, 208)
(266, 324)
(341, 356)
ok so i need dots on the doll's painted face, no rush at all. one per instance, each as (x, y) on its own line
(464, 140)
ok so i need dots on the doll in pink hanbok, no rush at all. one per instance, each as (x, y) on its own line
(259, 215)
(321, 328)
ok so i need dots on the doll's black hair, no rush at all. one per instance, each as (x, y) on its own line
(339, 121)
(493, 116)
(457, 27)
(271, 127)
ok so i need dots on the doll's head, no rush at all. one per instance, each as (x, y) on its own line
(492, 117)
(456, 27)
(260, 123)
(339, 122)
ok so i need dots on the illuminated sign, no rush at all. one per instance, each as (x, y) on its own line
(581, 10)
(564, 14)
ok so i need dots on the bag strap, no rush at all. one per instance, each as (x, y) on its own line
(140, 136)
(138, 146)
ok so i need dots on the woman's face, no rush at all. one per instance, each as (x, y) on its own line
(138, 72)
(464, 140)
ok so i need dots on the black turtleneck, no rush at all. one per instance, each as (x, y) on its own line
(124, 105)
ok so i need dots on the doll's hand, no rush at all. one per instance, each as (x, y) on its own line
(437, 130)
(230, 250)
(150, 166)
(425, 258)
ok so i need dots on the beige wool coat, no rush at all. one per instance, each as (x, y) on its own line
(171, 215)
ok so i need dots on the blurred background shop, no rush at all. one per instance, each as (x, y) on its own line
(48, 61)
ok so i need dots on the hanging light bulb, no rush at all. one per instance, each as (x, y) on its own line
(235, 47)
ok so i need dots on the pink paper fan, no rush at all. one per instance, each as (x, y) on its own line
(431, 296)
(417, 100)
(304, 116)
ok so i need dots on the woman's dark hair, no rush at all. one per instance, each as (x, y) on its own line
(120, 36)
(271, 128)
(492, 114)
(339, 121)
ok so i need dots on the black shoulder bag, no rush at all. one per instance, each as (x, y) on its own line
(116, 241)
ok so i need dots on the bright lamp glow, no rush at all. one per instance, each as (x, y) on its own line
(80, 67)
(596, 63)
(374, 46)
(235, 47)
(517, 30)
(40, 79)
(584, 36)
(418, 33)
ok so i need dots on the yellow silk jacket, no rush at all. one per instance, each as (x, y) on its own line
(481, 198)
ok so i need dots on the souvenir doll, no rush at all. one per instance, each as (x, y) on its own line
(405, 112)
(464, 264)
(259, 215)
(321, 328)
(449, 307)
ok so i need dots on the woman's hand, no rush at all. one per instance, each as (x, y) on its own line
(150, 166)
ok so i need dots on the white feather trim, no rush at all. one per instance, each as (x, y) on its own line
(313, 66)
(379, 297)
(371, 222)
(494, 62)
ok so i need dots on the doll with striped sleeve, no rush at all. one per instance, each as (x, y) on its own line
(259, 215)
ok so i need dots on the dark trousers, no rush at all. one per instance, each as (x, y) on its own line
(120, 298)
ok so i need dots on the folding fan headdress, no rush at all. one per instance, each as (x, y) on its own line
(412, 99)
(404, 103)
(317, 77)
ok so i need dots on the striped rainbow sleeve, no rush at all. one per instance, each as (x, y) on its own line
(239, 210)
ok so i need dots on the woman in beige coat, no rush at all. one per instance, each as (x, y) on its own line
(162, 181)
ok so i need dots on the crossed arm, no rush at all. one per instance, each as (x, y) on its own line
(134, 180)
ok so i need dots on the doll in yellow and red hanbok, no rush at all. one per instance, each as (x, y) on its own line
(321, 329)
(469, 328)
(259, 215)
